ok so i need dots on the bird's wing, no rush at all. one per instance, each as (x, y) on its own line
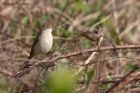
(34, 43)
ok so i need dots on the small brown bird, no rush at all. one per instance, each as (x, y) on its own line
(41, 45)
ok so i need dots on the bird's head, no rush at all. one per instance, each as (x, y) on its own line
(47, 30)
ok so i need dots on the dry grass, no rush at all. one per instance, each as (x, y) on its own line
(78, 25)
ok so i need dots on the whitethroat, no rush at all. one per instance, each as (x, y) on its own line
(41, 45)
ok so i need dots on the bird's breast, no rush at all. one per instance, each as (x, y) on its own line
(45, 43)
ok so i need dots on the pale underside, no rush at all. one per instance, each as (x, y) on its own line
(44, 43)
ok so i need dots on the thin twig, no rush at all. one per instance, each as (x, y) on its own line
(50, 62)
(122, 79)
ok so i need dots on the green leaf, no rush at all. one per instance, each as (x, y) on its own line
(129, 66)
(80, 5)
(61, 81)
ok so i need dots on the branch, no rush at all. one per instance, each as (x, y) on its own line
(122, 79)
(51, 62)
(91, 50)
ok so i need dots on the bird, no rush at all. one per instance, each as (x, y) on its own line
(41, 45)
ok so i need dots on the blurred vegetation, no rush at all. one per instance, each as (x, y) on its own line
(116, 20)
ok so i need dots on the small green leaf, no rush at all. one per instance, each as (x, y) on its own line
(80, 5)
(129, 66)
